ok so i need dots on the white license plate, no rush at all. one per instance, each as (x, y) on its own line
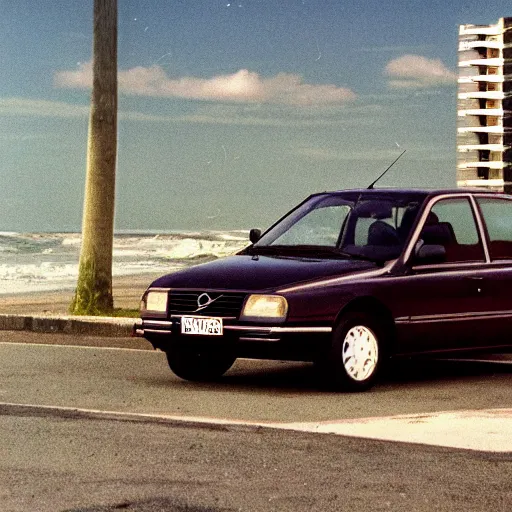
(205, 326)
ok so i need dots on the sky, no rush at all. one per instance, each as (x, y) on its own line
(230, 112)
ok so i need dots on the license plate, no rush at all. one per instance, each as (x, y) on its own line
(205, 326)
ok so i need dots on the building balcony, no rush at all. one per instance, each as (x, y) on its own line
(484, 30)
(498, 112)
(481, 78)
(495, 164)
(495, 62)
(491, 95)
(481, 183)
(481, 129)
(469, 45)
(464, 148)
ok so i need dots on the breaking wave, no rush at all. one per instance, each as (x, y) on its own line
(49, 261)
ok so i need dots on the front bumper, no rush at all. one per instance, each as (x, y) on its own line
(255, 341)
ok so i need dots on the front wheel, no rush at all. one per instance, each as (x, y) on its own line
(357, 352)
(198, 364)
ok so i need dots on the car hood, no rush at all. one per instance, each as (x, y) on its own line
(250, 273)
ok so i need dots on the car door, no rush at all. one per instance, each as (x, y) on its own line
(496, 213)
(441, 302)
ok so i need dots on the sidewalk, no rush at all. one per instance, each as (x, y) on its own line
(47, 312)
(64, 324)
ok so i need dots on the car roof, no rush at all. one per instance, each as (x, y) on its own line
(417, 191)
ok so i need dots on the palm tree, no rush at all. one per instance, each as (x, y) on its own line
(93, 295)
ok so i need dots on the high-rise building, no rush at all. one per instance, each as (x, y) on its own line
(484, 127)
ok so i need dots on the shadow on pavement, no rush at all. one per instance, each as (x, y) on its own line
(156, 505)
(292, 377)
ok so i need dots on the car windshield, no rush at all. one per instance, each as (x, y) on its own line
(364, 225)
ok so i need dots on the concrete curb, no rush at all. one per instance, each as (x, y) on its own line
(79, 325)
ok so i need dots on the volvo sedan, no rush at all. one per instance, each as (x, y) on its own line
(348, 280)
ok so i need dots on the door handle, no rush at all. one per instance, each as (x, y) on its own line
(477, 281)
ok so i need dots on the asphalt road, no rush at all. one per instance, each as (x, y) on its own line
(141, 382)
(52, 459)
(52, 463)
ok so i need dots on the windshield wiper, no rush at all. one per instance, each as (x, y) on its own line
(358, 256)
(306, 250)
(292, 249)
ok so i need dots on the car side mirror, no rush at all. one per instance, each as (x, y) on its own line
(427, 253)
(254, 235)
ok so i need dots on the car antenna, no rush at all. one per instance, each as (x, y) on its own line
(394, 162)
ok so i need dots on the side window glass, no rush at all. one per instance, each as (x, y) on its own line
(451, 224)
(497, 215)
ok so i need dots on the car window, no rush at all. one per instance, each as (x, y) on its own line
(362, 231)
(368, 225)
(497, 215)
(451, 223)
(321, 226)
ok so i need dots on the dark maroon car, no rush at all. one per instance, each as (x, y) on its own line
(348, 280)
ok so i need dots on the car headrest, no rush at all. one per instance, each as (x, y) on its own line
(374, 210)
(438, 234)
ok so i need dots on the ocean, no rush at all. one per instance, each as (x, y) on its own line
(49, 261)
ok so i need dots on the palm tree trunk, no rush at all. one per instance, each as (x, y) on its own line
(93, 295)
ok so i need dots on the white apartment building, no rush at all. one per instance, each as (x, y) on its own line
(484, 106)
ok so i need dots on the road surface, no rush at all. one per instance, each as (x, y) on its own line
(96, 429)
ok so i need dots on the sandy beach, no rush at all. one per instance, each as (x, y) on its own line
(127, 293)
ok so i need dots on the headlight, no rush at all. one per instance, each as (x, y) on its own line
(265, 306)
(156, 300)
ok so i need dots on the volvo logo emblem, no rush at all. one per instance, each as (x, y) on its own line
(204, 300)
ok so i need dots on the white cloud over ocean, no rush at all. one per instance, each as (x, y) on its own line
(416, 71)
(370, 154)
(27, 107)
(244, 86)
(41, 108)
(16, 106)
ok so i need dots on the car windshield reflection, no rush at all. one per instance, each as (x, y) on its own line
(343, 225)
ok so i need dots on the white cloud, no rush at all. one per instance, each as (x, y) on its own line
(60, 109)
(41, 108)
(331, 154)
(16, 106)
(414, 153)
(24, 137)
(243, 87)
(415, 71)
(384, 49)
(81, 78)
(255, 121)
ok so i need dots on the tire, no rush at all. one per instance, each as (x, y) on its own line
(358, 352)
(197, 364)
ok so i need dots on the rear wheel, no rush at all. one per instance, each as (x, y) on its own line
(198, 364)
(357, 352)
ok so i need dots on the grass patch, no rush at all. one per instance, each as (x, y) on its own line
(93, 294)
(124, 312)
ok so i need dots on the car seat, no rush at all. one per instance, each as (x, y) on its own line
(381, 233)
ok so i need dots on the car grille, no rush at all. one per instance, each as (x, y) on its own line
(222, 304)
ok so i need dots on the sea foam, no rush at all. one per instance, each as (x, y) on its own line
(49, 261)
